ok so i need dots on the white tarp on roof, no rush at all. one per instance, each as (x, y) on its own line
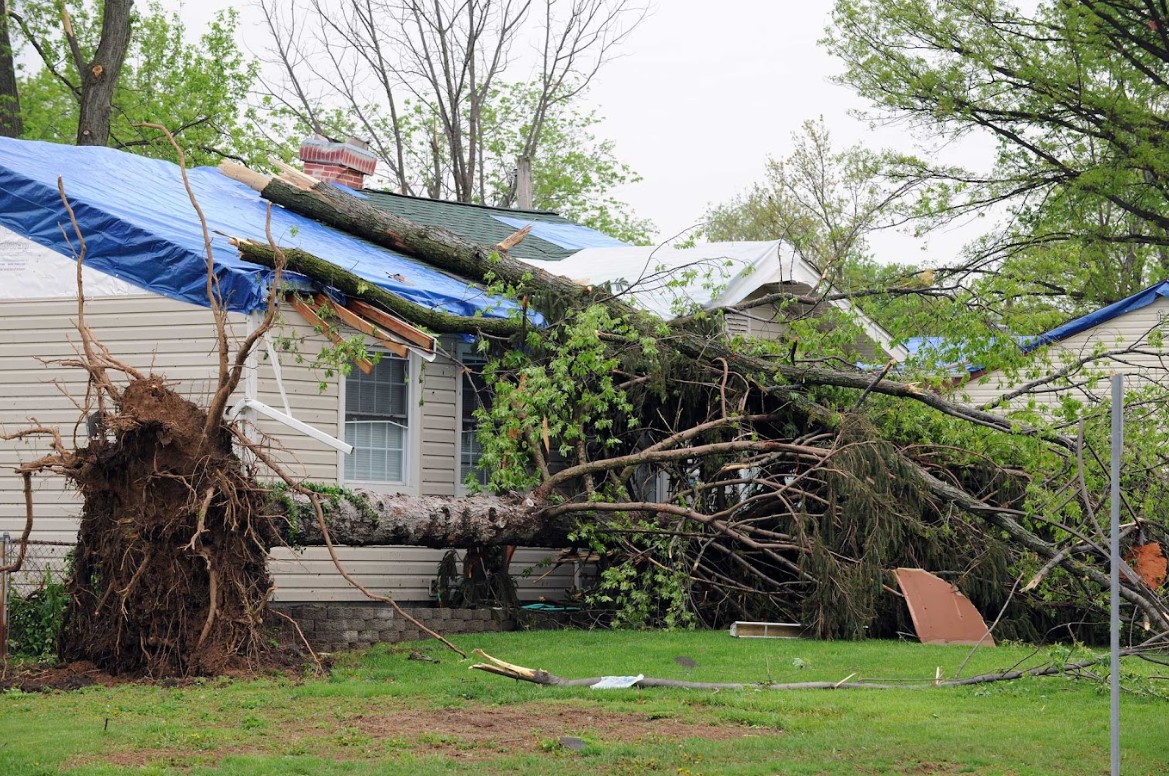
(666, 280)
(28, 270)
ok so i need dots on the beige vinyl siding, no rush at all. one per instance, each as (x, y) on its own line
(150, 333)
(405, 573)
(1141, 368)
(297, 346)
(440, 419)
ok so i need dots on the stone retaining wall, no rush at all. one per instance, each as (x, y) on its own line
(337, 626)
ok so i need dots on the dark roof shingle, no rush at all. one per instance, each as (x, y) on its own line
(476, 223)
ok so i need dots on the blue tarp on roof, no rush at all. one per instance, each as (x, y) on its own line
(933, 347)
(920, 346)
(139, 226)
(569, 236)
(1071, 328)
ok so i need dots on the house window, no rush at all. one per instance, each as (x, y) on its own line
(649, 484)
(376, 422)
(475, 394)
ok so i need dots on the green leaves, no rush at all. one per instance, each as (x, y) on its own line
(199, 90)
(1073, 94)
(561, 388)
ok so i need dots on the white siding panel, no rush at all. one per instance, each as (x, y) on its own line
(440, 382)
(1140, 368)
(177, 340)
(150, 333)
(304, 456)
(405, 573)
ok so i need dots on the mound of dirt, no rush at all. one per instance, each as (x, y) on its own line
(71, 676)
(170, 572)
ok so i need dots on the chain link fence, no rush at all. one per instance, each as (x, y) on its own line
(32, 599)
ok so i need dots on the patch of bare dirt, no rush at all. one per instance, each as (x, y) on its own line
(471, 733)
(70, 676)
(492, 730)
(82, 673)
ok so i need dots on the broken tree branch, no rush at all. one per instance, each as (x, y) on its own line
(547, 679)
(349, 284)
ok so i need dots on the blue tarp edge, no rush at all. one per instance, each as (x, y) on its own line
(1127, 305)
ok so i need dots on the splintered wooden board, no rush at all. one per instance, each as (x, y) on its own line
(941, 614)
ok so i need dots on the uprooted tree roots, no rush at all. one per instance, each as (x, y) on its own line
(169, 575)
(170, 572)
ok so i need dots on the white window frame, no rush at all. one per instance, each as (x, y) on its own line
(412, 446)
(461, 488)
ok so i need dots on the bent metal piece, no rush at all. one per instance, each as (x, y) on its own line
(941, 614)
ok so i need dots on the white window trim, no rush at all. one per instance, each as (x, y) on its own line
(413, 447)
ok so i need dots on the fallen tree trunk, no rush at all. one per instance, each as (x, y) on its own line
(767, 383)
(445, 250)
(363, 518)
(438, 247)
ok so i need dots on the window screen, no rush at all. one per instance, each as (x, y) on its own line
(376, 406)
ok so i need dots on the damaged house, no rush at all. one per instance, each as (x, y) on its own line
(401, 424)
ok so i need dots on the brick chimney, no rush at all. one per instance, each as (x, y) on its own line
(346, 163)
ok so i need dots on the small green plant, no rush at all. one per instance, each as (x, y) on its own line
(34, 619)
(644, 578)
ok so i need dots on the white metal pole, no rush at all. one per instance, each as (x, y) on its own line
(1117, 447)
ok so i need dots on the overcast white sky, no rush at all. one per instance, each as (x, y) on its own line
(702, 94)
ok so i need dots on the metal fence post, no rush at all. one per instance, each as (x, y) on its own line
(1114, 635)
(5, 540)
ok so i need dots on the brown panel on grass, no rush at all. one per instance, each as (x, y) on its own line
(1148, 561)
(941, 614)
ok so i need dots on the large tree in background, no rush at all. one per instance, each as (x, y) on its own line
(827, 204)
(444, 90)
(87, 61)
(10, 123)
(573, 171)
(824, 201)
(98, 71)
(199, 89)
(1075, 95)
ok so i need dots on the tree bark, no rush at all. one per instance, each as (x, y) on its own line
(99, 76)
(11, 124)
(436, 246)
(369, 518)
(782, 380)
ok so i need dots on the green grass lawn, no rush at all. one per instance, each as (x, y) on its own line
(380, 713)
